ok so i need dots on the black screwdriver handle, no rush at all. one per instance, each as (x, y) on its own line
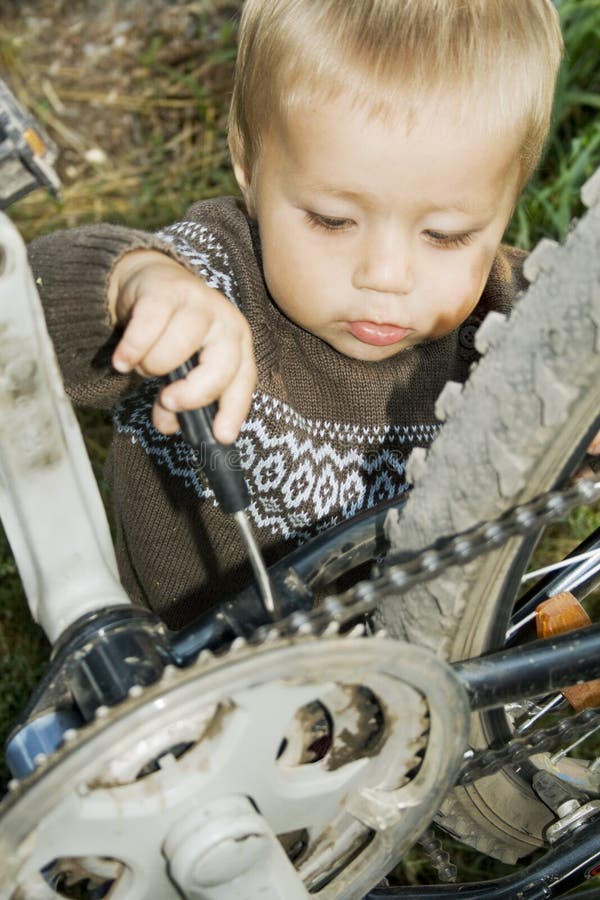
(219, 462)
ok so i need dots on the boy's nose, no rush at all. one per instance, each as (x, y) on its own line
(384, 266)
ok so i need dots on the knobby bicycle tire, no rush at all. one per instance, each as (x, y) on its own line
(511, 432)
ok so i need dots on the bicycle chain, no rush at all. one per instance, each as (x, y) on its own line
(480, 763)
(338, 612)
(400, 577)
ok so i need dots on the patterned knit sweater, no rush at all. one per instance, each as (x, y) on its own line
(327, 436)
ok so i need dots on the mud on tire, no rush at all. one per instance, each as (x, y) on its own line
(514, 430)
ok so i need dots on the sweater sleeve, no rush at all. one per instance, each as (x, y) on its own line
(72, 269)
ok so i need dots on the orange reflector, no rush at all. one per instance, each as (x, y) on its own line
(35, 142)
(558, 615)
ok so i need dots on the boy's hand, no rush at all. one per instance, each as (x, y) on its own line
(168, 315)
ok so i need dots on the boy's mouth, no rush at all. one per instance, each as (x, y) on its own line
(376, 334)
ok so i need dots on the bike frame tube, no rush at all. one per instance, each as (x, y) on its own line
(566, 866)
(541, 666)
(50, 506)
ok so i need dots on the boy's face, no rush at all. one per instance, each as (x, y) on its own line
(377, 236)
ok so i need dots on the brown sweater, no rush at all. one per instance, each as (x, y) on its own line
(327, 436)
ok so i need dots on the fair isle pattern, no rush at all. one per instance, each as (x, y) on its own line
(303, 475)
(202, 255)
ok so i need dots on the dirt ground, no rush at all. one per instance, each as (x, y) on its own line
(133, 92)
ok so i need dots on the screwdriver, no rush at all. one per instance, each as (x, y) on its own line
(222, 468)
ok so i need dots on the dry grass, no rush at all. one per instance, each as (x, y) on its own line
(135, 94)
(135, 97)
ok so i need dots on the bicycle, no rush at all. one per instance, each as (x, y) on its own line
(352, 742)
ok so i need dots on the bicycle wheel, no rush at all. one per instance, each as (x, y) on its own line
(514, 430)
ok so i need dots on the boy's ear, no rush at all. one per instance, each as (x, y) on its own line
(242, 176)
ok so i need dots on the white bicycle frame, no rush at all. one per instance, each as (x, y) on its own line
(50, 505)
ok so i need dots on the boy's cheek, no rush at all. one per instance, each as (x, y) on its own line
(456, 307)
(468, 287)
(448, 321)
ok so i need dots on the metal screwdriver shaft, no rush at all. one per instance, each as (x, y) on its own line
(222, 468)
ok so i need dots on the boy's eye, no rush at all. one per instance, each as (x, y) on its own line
(442, 239)
(329, 223)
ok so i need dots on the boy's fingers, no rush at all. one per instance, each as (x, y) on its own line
(166, 324)
(164, 419)
(232, 386)
(206, 382)
(184, 335)
(145, 327)
(236, 399)
(222, 357)
(165, 328)
(234, 406)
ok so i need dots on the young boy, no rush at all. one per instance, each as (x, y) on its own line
(380, 147)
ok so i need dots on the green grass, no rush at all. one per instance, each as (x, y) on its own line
(23, 646)
(177, 153)
(551, 200)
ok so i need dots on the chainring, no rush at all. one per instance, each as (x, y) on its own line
(373, 752)
(346, 747)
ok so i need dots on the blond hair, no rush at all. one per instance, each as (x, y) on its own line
(498, 57)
